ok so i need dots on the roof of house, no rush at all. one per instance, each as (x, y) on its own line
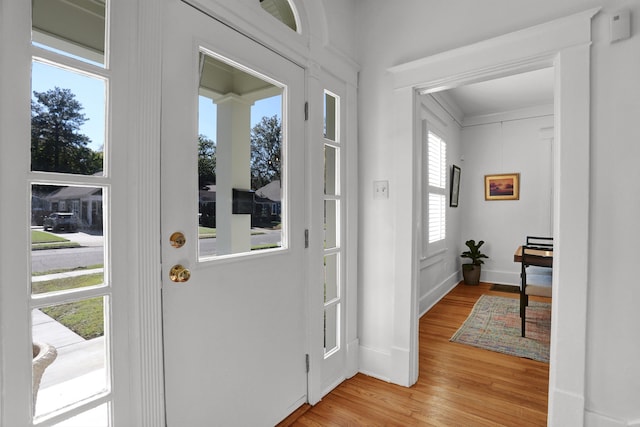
(271, 191)
(71, 193)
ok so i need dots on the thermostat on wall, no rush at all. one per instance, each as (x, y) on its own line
(620, 25)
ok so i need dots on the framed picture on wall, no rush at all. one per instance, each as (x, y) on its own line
(502, 187)
(455, 186)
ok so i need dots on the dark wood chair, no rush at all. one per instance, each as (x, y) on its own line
(536, 272)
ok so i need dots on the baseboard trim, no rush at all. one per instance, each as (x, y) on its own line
(400, 361)
(500, 277)
(333, 385)
(375, 363)
(566, 409)
(594, 419)
(431, 298)
(353, 357)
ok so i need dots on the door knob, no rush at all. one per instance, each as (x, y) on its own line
(179, 273)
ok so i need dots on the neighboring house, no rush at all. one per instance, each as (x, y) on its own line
(207, 205)
(85, 202)
(267, 205)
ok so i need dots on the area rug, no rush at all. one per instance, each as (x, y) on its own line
(494, 324)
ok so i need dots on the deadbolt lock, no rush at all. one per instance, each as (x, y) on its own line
(177, 239)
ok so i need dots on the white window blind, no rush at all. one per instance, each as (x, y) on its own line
(437, 183)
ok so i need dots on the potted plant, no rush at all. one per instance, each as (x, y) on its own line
(471, 271)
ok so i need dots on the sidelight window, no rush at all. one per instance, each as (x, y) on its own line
(71, 291)
(332, 214)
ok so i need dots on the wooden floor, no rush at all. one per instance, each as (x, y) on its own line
(458, 385)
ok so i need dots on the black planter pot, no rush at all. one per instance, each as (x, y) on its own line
(471, 274)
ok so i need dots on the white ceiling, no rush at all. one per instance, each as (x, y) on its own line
(510, 93)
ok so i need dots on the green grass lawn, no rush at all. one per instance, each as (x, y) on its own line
(44, 240)
(206, 233)
(44, 237)
(86, 317)
(265, 246)
(66, 283)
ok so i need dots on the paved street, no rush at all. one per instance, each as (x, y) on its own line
(266, 236)
(91, 252)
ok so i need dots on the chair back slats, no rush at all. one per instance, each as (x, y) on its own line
(535, 244)
(541, 243)
(540, 283)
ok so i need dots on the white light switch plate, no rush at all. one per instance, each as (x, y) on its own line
(380, 189)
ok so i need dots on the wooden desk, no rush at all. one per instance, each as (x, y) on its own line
(537, 257)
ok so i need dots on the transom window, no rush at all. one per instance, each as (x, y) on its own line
(282, 11)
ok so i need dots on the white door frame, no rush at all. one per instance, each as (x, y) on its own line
(565, 45)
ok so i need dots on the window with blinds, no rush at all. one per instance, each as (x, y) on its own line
(436, 187)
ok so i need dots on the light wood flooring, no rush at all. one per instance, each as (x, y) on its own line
(458, 385)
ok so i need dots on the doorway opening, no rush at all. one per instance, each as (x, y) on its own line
(564, 45)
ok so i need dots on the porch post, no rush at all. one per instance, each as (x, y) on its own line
(233, 153)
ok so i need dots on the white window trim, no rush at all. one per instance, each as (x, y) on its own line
(431, 123)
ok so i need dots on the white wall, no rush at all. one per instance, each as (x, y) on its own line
(514, 146)
(392, 33)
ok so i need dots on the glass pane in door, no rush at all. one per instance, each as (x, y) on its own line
(96, 417)
(330, 170)
(331, 228)
(331, 329)
(69, 353)
(67, 242)
(240, 153)
(331, 290)
(71, 27)
(330, 117)
(67, 120)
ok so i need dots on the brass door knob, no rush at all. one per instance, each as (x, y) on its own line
(179, 273)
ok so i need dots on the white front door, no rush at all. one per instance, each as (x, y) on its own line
(232, 185)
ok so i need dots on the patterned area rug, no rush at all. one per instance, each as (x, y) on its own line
(494, 324)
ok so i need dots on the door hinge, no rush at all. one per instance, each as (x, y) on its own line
(306, 361)
(306, 238)
(306, 111)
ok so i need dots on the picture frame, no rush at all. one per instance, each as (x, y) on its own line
(504, 186)
(455, 186)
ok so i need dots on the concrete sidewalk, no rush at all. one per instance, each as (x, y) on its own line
(76, 356)
(66, 274)
(78, 372)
